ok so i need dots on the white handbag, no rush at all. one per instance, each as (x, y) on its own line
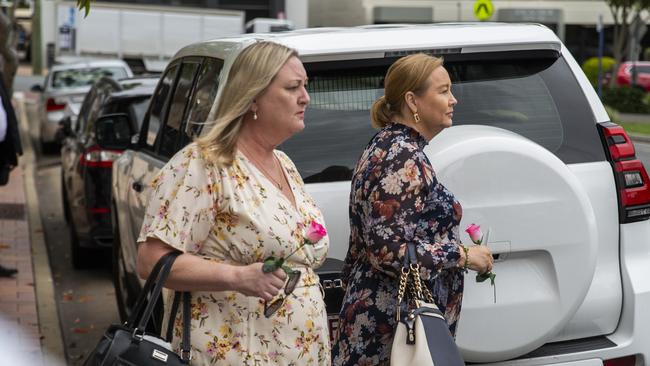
(422, 336)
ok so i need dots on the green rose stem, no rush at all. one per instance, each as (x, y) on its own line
(271, 263)
(477, 237)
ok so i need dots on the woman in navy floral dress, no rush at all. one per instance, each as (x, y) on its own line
(395, 199)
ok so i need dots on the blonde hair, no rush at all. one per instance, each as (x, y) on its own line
(251, 73)
(409, 73)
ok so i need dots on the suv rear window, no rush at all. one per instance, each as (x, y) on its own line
(537, 98)
(74, 78)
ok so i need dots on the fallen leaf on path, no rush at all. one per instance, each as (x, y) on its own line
(68, 296)
(84, 298)
(4, 246)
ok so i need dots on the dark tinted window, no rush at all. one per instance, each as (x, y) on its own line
(206, 88)
(170, 135)
(135, 108)
(159, 106)
(96, 107)
(85, 109)
(537, 98)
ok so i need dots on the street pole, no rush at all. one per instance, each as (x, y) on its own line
(37, 40)
(601, 45)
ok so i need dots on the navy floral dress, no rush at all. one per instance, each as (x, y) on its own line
(395, 199)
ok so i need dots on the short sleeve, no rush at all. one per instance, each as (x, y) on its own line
(182, 204)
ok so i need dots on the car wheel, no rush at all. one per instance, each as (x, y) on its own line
(64, 196)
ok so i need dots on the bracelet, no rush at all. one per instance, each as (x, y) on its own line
(466, 265)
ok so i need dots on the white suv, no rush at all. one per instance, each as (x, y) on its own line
(532, 155)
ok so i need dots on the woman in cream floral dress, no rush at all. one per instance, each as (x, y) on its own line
(230, 200)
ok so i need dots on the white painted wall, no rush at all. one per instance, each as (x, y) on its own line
(297, 11)
(336, 12)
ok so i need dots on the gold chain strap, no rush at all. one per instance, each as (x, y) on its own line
(401, 289)
(420, 286)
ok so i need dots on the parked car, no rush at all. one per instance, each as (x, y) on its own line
(532, 155)
(68, 84)
(86, 167)
(624, 74)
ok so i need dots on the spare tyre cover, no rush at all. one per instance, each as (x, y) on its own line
(542, 228)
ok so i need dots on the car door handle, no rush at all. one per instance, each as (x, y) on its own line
(137, 186)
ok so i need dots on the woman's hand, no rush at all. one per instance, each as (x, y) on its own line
(251, 281)
(480, 258)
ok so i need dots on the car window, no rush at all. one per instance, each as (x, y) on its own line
(135, 108)
(640, 69)
(537, 98)
(170, 134)
(138, 109)
(159, 106)
(207, 84)
(78, 77)
(85, 108)
(95, 109)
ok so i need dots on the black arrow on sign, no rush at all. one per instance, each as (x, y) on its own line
(484, 7)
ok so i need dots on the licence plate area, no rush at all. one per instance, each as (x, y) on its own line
(330, 280)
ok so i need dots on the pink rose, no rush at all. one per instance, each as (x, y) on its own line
(475, 233)
(315, 232)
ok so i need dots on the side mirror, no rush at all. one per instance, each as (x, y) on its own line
(63, 131)
(37, 88)
(113, 131)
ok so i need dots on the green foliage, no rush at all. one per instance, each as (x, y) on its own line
(84, 5)
(626, 99)
(636, 127)
(590, 68)
(613, 114)
(646, 54)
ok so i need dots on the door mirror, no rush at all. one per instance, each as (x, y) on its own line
(37, 88)
(113, 131)
(64, 130)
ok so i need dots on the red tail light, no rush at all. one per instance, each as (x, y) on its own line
(96, 157)
(98, 210)
(51, 105)
(622, 361)
(631, 177)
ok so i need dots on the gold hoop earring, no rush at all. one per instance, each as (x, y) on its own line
(416, 117)
(255, 115)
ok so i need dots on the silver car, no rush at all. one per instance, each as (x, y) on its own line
(64, 90)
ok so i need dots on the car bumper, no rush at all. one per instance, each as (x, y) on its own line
(632, 336)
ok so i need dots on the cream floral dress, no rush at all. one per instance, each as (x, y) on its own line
(236, 215)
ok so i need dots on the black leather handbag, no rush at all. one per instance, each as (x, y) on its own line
(129, 344)
(422, 336)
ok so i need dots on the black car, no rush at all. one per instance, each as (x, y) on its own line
(86, 167)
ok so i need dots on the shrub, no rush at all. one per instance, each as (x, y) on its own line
(590, 68)
(613, 114)
(625, 99)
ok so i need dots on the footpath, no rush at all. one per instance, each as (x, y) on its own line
(30, 331)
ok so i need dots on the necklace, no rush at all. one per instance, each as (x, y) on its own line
(257, 163)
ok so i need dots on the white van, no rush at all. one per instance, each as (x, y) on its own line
(532, 155)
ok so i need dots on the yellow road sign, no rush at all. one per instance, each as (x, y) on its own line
(483, 9)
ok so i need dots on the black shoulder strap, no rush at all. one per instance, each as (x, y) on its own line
(149, 284)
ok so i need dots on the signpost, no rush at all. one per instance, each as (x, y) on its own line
(483, 10)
